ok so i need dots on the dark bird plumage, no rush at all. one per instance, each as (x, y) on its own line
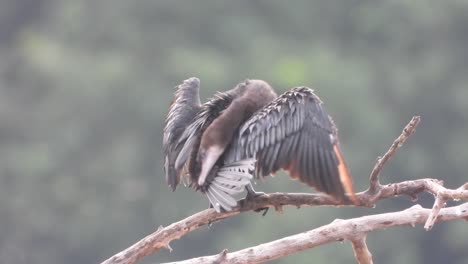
(249, 132)
(182, 111)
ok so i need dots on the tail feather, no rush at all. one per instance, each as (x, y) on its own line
(213, 201)
(221, 178)
(230, 181)
(228, 189)
(225, 200)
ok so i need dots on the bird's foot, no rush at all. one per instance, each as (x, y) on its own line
(252, 194)
(263, 210)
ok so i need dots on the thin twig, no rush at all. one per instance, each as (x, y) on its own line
(407, 131)
(442, 195)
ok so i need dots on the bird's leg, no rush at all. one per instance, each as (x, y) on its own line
(251, 194)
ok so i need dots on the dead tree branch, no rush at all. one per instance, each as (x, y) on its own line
(352, 229)
(407, 131)
(164, 235)
(361, 251)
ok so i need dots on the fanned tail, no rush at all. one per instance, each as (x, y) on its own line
(230, 181)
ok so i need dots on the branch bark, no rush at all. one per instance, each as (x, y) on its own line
(339, 230)
(361, 251)
(407, 131)
(164, 235)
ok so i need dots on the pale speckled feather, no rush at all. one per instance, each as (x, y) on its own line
(230, 181)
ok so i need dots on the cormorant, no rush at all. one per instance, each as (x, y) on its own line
(247, 132)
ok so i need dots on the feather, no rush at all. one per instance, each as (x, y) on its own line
(182, 111)
(213, 200)
(294, 133)
(222, 150)
(224, 199)
(225, 178)
(230, 189)
(230, 180)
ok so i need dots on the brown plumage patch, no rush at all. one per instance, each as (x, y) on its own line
(292, 169)
(345, 176)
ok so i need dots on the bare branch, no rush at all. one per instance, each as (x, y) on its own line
(407, 131)
(442, 195)
(361, 251)
(163, 236)
(351, 229)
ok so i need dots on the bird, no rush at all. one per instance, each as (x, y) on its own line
(249, 132)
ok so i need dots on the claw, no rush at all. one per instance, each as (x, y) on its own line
(263, 209)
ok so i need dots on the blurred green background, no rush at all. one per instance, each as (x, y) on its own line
(85, 86)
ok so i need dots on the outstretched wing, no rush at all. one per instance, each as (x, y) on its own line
(193, 123)
(182, 111)
(295, 134)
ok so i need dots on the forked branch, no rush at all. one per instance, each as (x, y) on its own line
(339, 230)
(164, 235)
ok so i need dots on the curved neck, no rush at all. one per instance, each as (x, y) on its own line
(251, 96)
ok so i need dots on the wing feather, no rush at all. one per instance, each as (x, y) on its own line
(306, 158)
(294, 133)
(310, 157)
(316, 163)
(334, 173)
(328, 185)
(182, 111)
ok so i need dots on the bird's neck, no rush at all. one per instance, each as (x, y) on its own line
(250, 97)
(221, 131)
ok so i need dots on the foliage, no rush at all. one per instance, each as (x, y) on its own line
(85, 85)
